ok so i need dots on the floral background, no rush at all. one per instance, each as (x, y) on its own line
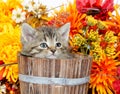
(95, 31)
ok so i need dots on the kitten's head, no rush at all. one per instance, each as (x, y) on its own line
(45, 42)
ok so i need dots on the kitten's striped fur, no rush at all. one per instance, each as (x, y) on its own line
(45, 42)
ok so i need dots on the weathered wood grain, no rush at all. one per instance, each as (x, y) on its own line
(55, 68)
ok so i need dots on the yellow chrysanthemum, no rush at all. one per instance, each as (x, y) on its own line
(110, 37)
(110, 51)
(91, 21)
(9, 39)
(11, 72)
(78, 40)
(10, 45)
(96, 51)
(93, 36)
(7, 7)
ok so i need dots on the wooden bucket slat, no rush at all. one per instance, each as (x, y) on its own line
(56, 68)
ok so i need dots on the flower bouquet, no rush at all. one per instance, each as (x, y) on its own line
(94, 31)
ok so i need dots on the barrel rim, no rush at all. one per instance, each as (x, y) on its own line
(80, 56)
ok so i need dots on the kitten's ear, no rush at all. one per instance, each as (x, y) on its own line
(27, 33)
(64, 31)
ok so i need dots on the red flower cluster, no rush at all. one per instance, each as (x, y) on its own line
(116, 84)
(98, 8)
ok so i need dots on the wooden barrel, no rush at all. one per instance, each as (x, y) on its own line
(54, 76)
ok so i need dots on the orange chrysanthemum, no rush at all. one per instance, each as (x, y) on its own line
(114, 22)
(103, 74)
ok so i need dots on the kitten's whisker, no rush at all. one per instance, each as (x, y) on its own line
(56, 7)
(51, 9)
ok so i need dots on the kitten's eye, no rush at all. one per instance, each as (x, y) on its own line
(58, 44)
(43, 45)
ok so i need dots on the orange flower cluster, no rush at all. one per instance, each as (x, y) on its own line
(103, 74)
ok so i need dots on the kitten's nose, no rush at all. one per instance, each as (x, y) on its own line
(53, 51)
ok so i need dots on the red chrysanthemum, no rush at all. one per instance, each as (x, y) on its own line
(116, 86)
(98, 8)
(118, 71)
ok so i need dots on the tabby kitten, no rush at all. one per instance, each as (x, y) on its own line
(46, 41)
